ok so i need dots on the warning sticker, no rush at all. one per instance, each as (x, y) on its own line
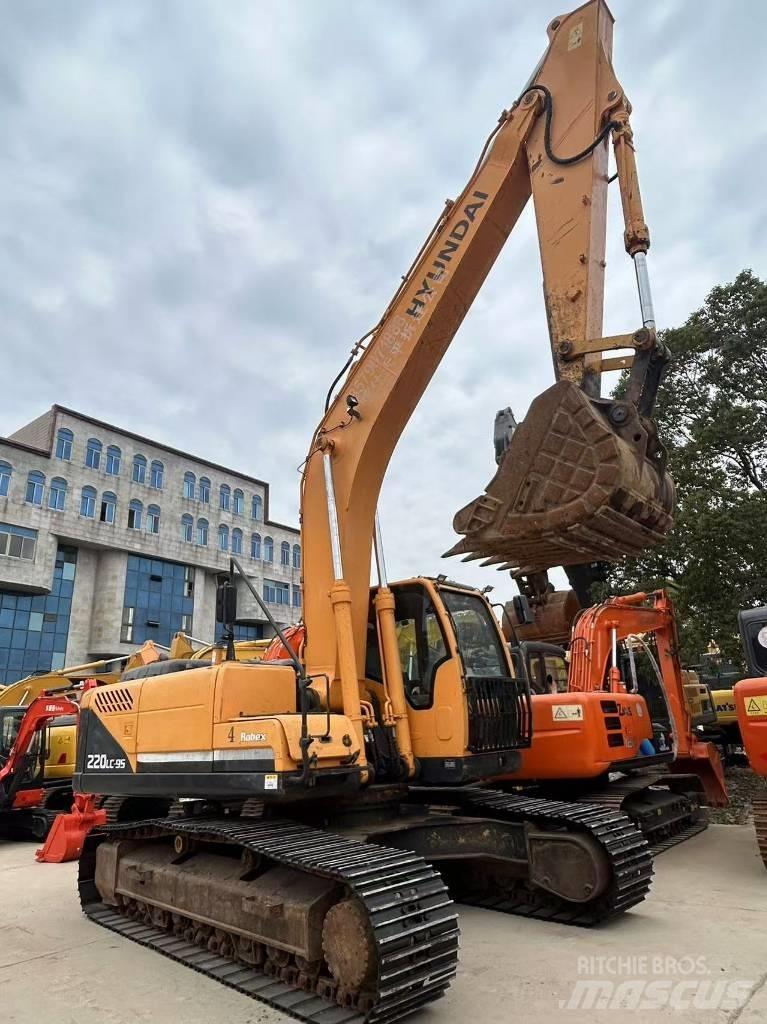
(568, 713)
(270, 782)
(756, 706)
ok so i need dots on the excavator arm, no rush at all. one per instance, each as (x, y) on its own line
(594, 666)
(583, 478)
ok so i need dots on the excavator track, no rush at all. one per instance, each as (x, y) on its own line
(759, 808)
(410, 915)
(672, 821)
(626, 849)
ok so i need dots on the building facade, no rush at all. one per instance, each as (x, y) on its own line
(108, 539)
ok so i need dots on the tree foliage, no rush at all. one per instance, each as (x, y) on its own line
(712, 416)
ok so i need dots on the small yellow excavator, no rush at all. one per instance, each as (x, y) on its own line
(289, 826)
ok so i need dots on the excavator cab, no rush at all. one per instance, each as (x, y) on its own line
(543, 665)
(468, 716)
(33, 765)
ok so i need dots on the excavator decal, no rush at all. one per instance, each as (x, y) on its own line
(458, 234)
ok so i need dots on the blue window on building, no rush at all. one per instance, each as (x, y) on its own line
(255, 545)
(139, 469)
(135, 512)
(57, 495)
(268, 549)
(296, 596)
(93, 453)
(236, 542)
(34, 628)
(113, 460)
(108, 507)
(6, 471)
(284, 553)
(187, 528)
(257, 507)
(64, 439)
(88, 502)
(189, 485)
(223, 537)
(296, 556)
(158, 602)
(202, 532)
(35, 488)
(225, 494)
(153, 519)
(17, 541)
(205, 490)
(248, 631)
(238, 502)
(276, 592)
(156, 474)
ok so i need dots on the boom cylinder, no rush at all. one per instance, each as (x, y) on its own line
(341, 600)
(392, 666)
(395, 684)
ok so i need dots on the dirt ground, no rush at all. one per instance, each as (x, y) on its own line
(743, 786)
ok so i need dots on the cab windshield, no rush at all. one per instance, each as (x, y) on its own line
(477, 636)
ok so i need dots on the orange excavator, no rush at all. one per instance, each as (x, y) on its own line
(317, 802)
(751, 704)
(617, 725)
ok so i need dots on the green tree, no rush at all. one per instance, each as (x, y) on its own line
(712, 416)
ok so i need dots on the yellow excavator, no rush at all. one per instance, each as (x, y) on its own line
(291, 826)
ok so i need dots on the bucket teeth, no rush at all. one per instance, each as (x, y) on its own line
(569, 489)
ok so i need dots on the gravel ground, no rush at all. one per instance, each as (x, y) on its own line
(743, 785)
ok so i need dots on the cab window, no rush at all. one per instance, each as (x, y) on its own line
(9, 730)
(536, 674)
(421, 644)
(476, 633)
(555, 673)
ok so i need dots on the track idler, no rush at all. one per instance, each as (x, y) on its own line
(582, 480)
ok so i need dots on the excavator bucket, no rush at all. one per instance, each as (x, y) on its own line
(703, 760)
(575, 485)
(551, 623)
(69, 831)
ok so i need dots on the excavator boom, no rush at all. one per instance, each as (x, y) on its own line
(583, 478)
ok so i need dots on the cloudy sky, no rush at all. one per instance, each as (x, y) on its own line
(204, 203)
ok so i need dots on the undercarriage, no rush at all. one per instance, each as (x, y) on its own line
(664, 807)
(342, 912)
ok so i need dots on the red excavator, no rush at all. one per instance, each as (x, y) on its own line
(618, 724)
(23, 751)
(25, 811)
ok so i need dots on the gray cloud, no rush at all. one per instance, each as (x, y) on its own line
(203, 205)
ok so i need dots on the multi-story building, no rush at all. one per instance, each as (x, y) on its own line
(108, 539)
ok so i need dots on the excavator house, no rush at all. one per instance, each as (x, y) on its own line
(289, 826)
